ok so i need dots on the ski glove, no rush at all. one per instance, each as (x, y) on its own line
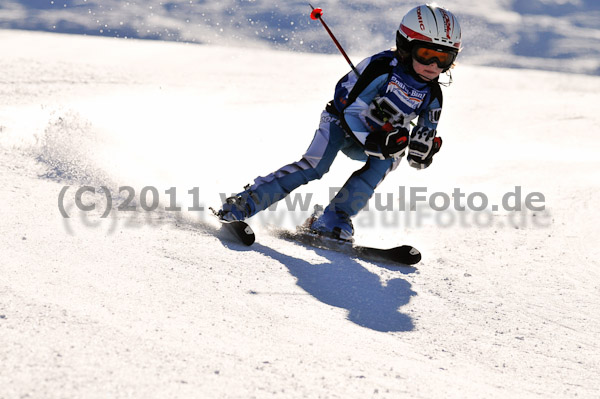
(422, 146)
(389, 143)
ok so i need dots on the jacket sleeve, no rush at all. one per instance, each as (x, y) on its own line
(353, 117)
(430, 116)
(374, 74)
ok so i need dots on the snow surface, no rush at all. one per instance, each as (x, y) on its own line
(161, 304)
(558, 35)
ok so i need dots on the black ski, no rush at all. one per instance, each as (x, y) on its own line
(403, 255)
(239, 229)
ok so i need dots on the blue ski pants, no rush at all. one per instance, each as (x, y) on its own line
(329, 140)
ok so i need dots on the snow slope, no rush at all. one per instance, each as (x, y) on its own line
(558, 35)
(160, 304)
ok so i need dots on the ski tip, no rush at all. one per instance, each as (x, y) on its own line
(409, 254)
(241, 230)
(248, 237)
(238, 228)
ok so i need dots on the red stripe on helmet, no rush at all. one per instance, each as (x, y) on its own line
(414, 35)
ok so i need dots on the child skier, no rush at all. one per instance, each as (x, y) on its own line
(369, 120)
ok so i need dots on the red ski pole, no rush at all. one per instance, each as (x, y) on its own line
(317, 13)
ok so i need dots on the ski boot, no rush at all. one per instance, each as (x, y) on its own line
(238, 207)
(331, 223)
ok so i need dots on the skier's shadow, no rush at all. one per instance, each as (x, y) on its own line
(344, 283)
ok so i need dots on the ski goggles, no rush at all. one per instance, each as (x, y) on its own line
(428, 55)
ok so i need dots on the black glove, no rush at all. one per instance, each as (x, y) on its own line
(387, 144)
(422, 146)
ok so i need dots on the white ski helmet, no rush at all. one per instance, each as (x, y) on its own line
(430, 24)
